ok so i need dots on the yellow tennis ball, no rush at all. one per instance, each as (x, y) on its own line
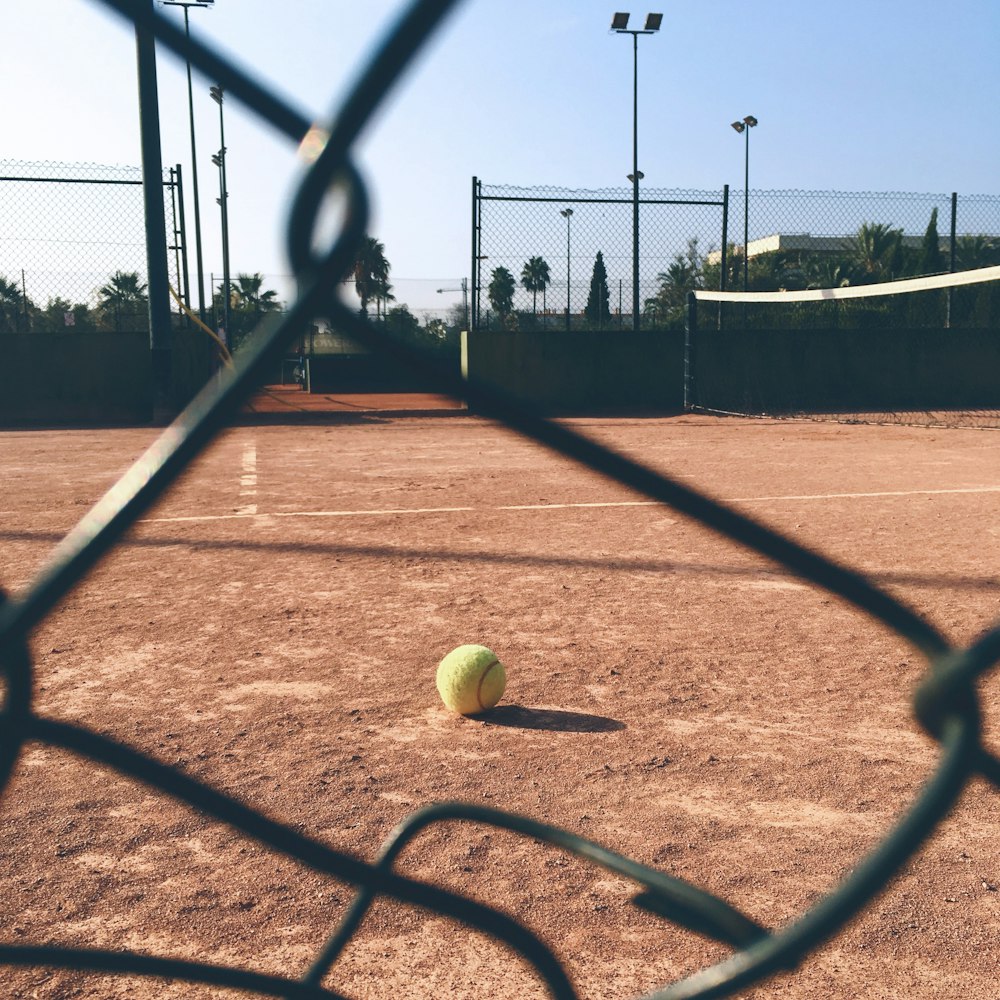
(471, 679)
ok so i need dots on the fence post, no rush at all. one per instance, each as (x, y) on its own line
(183, 277)
(474, 263)
(725, 236)
(951, 257)
(690, 333)
(725, 246)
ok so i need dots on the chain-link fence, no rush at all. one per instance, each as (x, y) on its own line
(543, 244)
(535, 250)
(73, 246)
(842, 213)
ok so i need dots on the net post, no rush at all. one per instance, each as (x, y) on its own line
(690, 332)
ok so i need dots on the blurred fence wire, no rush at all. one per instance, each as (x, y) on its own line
(946, 703)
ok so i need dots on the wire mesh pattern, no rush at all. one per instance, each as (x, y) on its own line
(946, 702)
(841, 213)
(73, 253)
(517, 225)
(796, 239)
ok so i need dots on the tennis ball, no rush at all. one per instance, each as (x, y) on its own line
(471, 679)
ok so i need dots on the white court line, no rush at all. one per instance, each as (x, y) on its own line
(248, 479)
(861, 496)
(561, 506)
(310, 513)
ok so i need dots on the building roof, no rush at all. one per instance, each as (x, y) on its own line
(787, 242)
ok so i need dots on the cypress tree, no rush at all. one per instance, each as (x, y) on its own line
(597, 309)
(931, 258)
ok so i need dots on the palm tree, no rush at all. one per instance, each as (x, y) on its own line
(535, 278)
(124, 288)
(976, 251)
(501, 292)
(370, 271)
(876, 252)
(382, 293)
(123, 295)
(826, 272)
(247, 292)
(248, 301)
(684, 273)
(678, 279)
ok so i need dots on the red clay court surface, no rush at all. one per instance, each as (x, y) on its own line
(274, 625)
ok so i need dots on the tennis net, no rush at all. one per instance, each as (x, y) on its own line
(917, 351)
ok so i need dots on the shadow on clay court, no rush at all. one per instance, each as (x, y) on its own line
(954, 581)
(550, 719)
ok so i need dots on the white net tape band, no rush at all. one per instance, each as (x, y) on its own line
(949, 280)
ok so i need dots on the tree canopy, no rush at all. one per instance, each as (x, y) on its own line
(535, 278)
(501, 292)
(371, 273)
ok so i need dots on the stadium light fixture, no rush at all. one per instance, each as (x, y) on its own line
(619, 24)
(199, 262)
(744, 127)
(567, 214)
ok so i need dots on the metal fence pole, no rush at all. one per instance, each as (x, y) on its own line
(474, 263)
(690, 334)
(951, 255)
(182, 234)
(156, 229)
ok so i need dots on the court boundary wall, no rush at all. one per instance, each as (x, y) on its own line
(582, 370)
(780, 371)
(66, 378)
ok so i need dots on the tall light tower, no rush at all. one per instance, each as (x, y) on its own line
(744, 127)
(619, 24)
(567, 214)
(199, 262)
(220, 161)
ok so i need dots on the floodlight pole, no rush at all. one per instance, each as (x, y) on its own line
(744, 126)
(219, 97)
(619, 24)
(567, 214)
(199, 261)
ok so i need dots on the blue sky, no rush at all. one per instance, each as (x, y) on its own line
(893, 95)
